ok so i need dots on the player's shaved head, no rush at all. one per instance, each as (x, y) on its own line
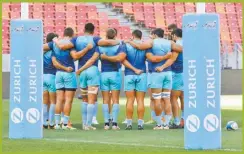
(159, 32)
(177, 32)
(111, 33)
(137, 34)
(69, 32)
(89, 28)
(50, 37)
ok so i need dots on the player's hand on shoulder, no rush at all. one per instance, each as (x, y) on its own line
(103, 56)
(90, 46)
(69, 69)
(159, 68)
(138, 71)
(78, 72)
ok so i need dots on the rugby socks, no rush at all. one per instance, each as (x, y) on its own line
(90, 111)
(106, 113)
(167, 119)
(163, 114)
(115, 112)
(158, 120)
(45, 114)
(51, 114)
(153, 114)
(177, 121)
(129, 122)
(182, 114)
(84, 112)
(95, 109)
(140, 122)
(57, 119)
(66, 120)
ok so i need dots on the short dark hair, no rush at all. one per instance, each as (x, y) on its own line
(177, 32)
(89, 28)
(69, 32)
(137, 33)
(50, 37)
(159, 32)
(111, 33)
(115, 31)
(172, 26)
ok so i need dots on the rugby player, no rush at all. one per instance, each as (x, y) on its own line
(161, 82)
(111, 56)
(49, 90)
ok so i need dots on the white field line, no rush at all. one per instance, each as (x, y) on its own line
(128, 144)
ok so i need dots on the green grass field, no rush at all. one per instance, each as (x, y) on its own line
(100, 140)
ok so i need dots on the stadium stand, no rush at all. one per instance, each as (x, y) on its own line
(57, 16)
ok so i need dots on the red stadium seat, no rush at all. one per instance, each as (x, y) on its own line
(234, 30)
(37, 7)
(138, 7)
(81, 15)
(91, 8)
(148, 4)
(81, 23)
(5, 15)
(179, 8)
(125, 36)
(125, 29)
(70, 15)
(49, 7)
(71, 22)
(113, 22)
(49, 29)
(149, 15)
(150, 23)
(148, 9)
(127, 8)
(139, 16)
(60, 15)
(59, 30)
(117, 5)
(5, 7)
(103, 15)
(70, 7)
(48, 15)
(236, 37)
(60, 22)
(5, 22)
(5, 44)
(15, 7)
(5, 30)
(103, 23)
(92, 15)
(37, 15)
(14, 15)
(169, 8)
(158, 8)
(190, 9)
(60, 7)
(82, 8)
(48, 22)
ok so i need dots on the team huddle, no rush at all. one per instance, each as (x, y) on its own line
(155, 66)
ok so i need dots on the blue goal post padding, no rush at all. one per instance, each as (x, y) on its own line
(201, 52)
(26, 44)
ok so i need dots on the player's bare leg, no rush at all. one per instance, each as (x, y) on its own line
(140, 108)
(130, 95)
(84, 106)
(167, 107)
(156, 94)
(175, 94)
(45, 108)
(59, 107)
(151, 121)
(106, 111)
(182, 109)
(92, 97)
(115, 109)
(52, 99)
(69, 95)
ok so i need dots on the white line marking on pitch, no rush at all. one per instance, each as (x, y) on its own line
(129, 144)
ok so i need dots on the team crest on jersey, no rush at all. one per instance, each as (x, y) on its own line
(210, 25)
(192, 25)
